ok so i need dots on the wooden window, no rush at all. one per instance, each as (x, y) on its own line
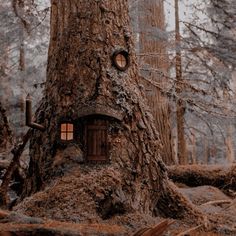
(67, 131)
(121, 60)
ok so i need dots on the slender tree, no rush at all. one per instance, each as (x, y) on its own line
(24, 35)
(208, 63)
(5, 131)
(180, 106)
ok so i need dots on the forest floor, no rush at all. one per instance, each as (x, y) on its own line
(55, 211)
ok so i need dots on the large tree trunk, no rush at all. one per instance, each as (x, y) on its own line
(84, 86)
(154, 69)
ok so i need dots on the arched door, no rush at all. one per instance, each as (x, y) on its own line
(96, 139)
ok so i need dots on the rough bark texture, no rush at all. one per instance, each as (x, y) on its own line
(180, 106)
(5, 131)
(154, 59)
(223, 177)
(82, 81)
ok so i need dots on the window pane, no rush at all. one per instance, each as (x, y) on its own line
(67, 131)
(70, 127)
(63, 136)
(63, 127)
(69, 136)
(121, 60)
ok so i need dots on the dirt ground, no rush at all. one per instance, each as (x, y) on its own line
(57, 210)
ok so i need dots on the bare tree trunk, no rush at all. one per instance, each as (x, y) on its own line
(229, 133)
(193, 145)
(154, 58)
(5, 131)
(180, 106)
(229, 145)
(206, 151)
(85, 87)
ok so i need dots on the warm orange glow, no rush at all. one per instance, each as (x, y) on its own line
(70, 127)
(121, 60)
(69, 136)
(67, 131)
(63, 127)
(63, 136)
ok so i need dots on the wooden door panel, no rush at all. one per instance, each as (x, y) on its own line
(97, 147)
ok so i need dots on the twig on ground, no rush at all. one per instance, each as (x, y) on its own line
(190, 230)
(157, 230)
(217, 202)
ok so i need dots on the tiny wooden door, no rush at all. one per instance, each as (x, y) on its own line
(96, 139)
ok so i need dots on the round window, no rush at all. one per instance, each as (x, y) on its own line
(121, 60)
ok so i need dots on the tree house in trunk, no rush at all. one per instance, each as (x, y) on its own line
(93, 134)
(94, 111)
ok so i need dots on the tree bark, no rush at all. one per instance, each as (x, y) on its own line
(193, 151)
(230, 156)
(180, 106)
(154, 58)
(83, 83)
(5, 131)
(198, 175)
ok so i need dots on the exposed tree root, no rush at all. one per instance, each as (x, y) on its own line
(223, 177)
(173, 204)
(16, 151)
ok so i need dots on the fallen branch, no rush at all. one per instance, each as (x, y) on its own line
(233, 203)
(16, 151)
(157, 230)
(223, 177)
(13, 223)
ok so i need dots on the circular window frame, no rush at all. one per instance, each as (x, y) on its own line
(123, 53)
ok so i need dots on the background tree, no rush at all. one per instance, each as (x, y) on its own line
(206, 79)
(180, 104)
(5, 131)
(149, 28)
(24, 35)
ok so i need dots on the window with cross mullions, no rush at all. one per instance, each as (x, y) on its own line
(67, 131)
(121, 60)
